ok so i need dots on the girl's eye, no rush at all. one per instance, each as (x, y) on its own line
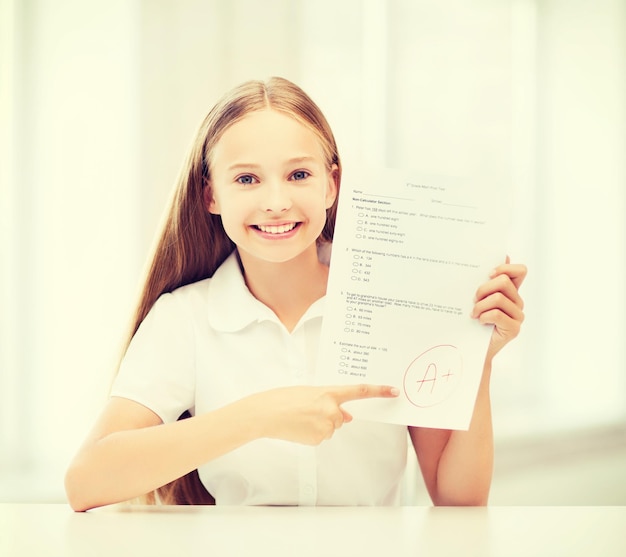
(245, 180)
(300, 175)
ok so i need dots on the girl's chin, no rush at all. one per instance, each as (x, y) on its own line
(275, 253)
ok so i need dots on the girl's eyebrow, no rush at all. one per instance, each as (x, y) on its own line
(305, 158)
(243, 165)
(253, 166)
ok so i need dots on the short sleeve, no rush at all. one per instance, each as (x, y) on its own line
(158, 369)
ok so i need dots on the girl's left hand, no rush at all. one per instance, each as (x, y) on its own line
(498, 303)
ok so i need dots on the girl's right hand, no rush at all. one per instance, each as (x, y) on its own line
(125, 455)
(308, 414)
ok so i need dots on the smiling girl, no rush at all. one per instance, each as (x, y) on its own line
(226, 335)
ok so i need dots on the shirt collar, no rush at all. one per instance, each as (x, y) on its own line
(232, 307)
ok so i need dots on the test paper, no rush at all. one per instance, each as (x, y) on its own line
(408, 254)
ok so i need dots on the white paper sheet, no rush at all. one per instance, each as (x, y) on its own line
(408, 255)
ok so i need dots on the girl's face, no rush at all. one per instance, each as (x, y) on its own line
(271, 186)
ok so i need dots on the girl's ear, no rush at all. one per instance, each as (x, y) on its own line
(332, 190)
(209, 201)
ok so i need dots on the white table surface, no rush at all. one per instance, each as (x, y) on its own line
(117, 531)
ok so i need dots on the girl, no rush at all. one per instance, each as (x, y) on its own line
(226, 333)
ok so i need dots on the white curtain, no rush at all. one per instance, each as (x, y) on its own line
(100, 101)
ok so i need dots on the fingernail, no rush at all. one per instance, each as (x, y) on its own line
(394, 391)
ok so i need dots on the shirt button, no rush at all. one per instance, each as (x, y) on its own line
(308, 489)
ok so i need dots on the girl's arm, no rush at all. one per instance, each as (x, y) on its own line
(131, 452)
(457, 465)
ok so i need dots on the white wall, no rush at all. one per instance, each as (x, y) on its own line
(580, 207)
(72, 256)
(100, 101)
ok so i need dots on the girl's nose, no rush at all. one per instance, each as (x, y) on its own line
(276, 198)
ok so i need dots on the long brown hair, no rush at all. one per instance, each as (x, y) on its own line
(193, 243)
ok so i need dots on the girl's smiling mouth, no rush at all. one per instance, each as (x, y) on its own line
(276, 229)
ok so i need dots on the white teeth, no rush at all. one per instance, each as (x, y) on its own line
(281, 229)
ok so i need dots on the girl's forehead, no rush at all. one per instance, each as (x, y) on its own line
(267, 133)
(263, 121)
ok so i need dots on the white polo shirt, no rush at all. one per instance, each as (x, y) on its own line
(211, 343)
